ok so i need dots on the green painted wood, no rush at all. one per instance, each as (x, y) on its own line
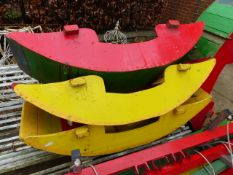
(203, 49)
(40, 67)
(218, 25)
(218, 166)
(208, 51)
(223, 10)
(218, 19)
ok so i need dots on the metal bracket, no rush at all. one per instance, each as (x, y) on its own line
(225, 114)
(76, 161)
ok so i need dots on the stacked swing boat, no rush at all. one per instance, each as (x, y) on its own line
(59, 56)
(110, 122)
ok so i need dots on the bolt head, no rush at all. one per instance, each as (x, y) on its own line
(183, 67)
(230, 117)
(77, 82)
(173, 24)
(71, 29)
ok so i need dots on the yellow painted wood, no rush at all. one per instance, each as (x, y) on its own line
(190, 171)
(84, 99)
(94, 140)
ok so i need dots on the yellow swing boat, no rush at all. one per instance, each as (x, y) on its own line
(44, 131)
(83, 99)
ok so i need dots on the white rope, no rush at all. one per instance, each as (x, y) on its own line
(229, 142)
(208, 162)
(225, 144)
(94, 169)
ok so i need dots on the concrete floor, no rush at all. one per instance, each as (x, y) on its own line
(223, 90)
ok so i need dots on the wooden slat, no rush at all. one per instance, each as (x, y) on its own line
(11, 114)
(10, 72)
(6, 121)
(217, 24)
(17, 81)
(222, 10)
(9, 127)
(33, 160)
(218, 19)
(11, 145)
(21, 156)
(9, 139)
(9, 108)
(18, 149)
(63, 168)
(8, 97)
(24, 76)
(9, 67)
(11, 103)
(6, 91)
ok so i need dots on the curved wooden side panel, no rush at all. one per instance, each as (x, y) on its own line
(84, 99)
(83, 50)
(43, 131)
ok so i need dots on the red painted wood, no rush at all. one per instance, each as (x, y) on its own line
(198, 121)
(224, 56)
(85, 51)
(193, 161)
(229, 171)
(138, 158)
(71, 29)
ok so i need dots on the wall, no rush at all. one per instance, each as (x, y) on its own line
(99, 15)
(185, 11)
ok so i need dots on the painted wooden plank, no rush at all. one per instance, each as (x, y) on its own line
(207, 47)
(218, 166)
(216, 24)
(218, 19)
(223, 10)
(214, 38)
